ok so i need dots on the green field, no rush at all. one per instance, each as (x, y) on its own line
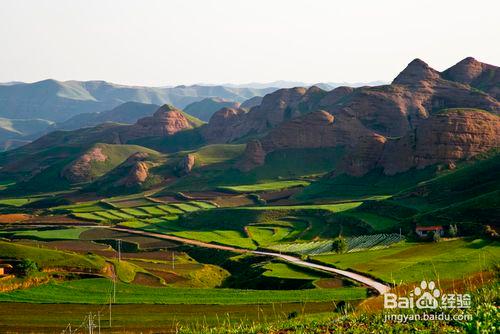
(377, 222)
(285, 270)
(268, 186)
(71, 233)
(96, 291)
(14, 201)
(223, 237)
(51, 258)
(412, 262)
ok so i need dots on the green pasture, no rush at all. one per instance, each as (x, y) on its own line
(97, 291)
(411, 262)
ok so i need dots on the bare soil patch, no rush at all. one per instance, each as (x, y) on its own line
(146, 279)
(14, 218)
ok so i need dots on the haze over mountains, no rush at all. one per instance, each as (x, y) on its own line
(42, 103)
(423, 118)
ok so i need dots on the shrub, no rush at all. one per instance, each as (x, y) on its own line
(339, 245)
(489, 232)
(436, 236)
(293, 314)
(453, 231)
(27, 267)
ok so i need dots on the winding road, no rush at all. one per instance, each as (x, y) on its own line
(379, 287)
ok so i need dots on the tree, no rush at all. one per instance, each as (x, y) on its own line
(27, 266)
(453, 231)
(339, 245)
(489, 232)
(436, 236)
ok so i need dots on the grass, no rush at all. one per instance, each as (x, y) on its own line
(411, 262)
(89, 216)
(285, 270)
(334, 208)
(96, 291)
(152, 210)
(120, 214)
(71, 233)
(267, 224)
(15, 201)
(84, 207)
(268, 186)
(377, 222)
(107, 215)
(170, 209)
(281, 164)
(48, 258)
(134, 224)
(202, 205)
(126, 271)
(223, 237)
(374, 183)
(266, 235)
(115, 155)
(186, 207)
(218, 153)
(135, 212)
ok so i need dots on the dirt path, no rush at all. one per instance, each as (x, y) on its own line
(380, 287)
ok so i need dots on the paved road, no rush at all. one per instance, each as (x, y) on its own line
(380, 287)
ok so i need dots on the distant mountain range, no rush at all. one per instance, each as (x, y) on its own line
(76, 104)
(291, 84)
(424, 118)
(58, 101)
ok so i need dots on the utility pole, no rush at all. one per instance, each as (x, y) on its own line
(114, 288)
(109, 311)
(119, 249)
(99, 321)
(90, 323)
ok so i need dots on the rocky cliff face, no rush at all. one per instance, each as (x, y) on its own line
(275, 108)
(420, 119)
(138, 170)
(80, 170)
(479, 75)
(186, 164)
(165, 121)
(224, 125)
(443, 138)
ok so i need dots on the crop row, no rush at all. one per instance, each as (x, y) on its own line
(363, 242)
(168, 211)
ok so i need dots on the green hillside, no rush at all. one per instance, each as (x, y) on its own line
(205, 108)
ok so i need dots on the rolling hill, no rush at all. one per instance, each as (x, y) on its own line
(205, 108)
(60, 100)
(127, 113)
(420, 122)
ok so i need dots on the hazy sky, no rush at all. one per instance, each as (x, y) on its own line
(166, 42)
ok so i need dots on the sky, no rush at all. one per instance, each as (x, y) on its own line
(170, 42)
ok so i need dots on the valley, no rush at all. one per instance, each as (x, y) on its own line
(303, 205)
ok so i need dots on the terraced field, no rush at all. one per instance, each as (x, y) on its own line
(137, 212)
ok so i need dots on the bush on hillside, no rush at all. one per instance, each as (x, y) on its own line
(339, 245)
(436, 236)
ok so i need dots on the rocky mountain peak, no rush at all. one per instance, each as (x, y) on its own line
(167, 120)
(166, 108)
(416, 72)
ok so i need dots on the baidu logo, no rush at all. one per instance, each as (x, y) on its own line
(427, 296)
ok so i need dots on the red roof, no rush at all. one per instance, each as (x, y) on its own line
(429, 228)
